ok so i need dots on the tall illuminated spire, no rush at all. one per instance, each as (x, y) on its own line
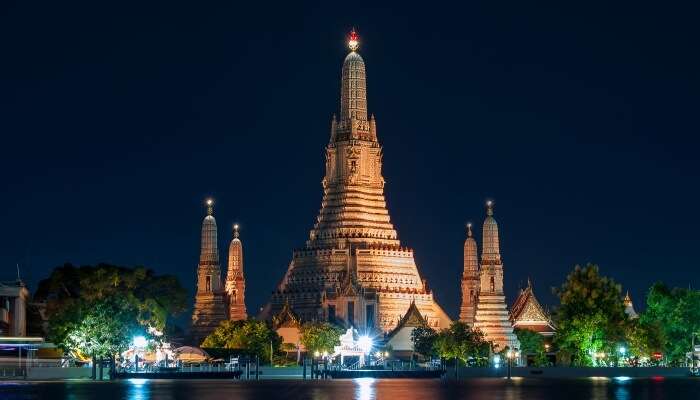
(470, 279)
(490, 253)
(209, 253)
(235, 280)
(353, 92)
(209, 307)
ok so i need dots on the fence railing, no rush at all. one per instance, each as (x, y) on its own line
(9, 372)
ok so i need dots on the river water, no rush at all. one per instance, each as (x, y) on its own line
(360, 389)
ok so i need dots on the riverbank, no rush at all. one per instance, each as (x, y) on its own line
(297, 373)
(569, 372)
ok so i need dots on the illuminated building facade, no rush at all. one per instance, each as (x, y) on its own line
(209, 307)
(354, 270)
(491, 315)
(235, 281)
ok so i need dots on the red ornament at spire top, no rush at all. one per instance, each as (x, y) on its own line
(353, 40)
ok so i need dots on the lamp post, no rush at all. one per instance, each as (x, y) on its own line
(622, 350)
(509, 355)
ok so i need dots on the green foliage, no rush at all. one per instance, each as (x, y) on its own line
(98, 309)
(105, 328)
(645, 337)
(532, 343)
(423, 338)
(320, 336)
(673, 317)
(591, 317)
(250, 336)
(461, 342)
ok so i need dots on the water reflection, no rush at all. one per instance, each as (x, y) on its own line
(364, 388)
(138, 389)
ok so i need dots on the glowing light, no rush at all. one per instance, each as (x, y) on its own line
(325, 354)
(365, 388)
(497, 359)
(316, 353)
(137, 381)
(622, 378)
(622, 350)
(365, 343)
(353, 40)
(140, 341)
(378, 354)
(386, 354)
(489, 203)
(210, 202)
(509, 354)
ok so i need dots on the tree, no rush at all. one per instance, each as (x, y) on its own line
(532, 343)
(645, 337)
(105, 329)
(320, 336)
(423, 338)
(461, 342)
(250, 336)
(591, 318)
(98, 309)
(676, 312)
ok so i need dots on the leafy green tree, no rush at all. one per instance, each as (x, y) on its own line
(98, 309)
(423, 338)
(461, 342)
(532, 343)
(591, 317)
(645, 337)
(676, 312)
(320, 336)
(105, 329)
(250, 336)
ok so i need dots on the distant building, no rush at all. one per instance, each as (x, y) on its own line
(629, 307)
(13, 308)
(288, 325)
(209, 307)
(527, 313)
(353, 270)
(470, 279)
(491, 316)
(235, 280)
(399, 339)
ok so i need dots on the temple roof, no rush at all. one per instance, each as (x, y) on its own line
(412, 319)
(286, 318)
(527, 312)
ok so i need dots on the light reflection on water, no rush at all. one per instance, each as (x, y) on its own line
(138, 389)
(364, 388)
(360, 389)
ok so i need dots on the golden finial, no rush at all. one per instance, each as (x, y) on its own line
(489, 208)
(235, 231)
(210, 207)
(353, 40)
(469, 229)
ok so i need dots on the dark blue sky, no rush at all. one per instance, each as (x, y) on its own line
(579, 120)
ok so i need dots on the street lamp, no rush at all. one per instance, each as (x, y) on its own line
(510, 355)
(622, 350)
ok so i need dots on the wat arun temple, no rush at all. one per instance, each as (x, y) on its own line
(353, 270)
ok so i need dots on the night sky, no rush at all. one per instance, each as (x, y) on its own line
(580, 121)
